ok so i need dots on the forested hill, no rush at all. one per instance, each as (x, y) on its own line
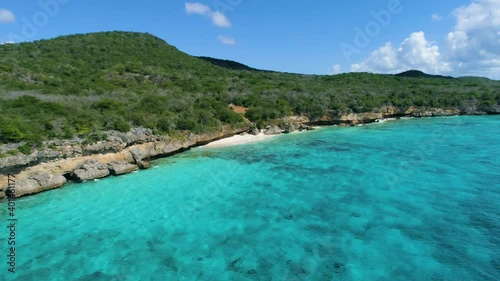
(417, 73)
(83, 84)
(229, 64)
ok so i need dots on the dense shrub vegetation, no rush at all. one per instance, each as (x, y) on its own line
(83, 84)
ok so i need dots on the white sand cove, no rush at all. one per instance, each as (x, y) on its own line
(238, 140)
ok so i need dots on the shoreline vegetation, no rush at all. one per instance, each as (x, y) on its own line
(87, 106)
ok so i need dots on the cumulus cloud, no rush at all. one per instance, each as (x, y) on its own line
(227, 40)
(197, 8)
(470, 48)
(217, 18)
(473, 44)
(220, 19)
(414, 53)
(436, 17)
(6, 16)
(336, 69)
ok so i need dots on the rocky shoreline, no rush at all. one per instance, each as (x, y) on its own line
(122, 153)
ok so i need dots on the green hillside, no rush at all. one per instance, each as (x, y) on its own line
(83, 84)
(229, 64)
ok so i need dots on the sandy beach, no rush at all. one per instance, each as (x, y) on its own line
(238, 140)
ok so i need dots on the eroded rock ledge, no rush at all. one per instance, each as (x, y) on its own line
(349, 118)
(119, 154)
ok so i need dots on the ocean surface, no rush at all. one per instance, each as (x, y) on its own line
(415, 199)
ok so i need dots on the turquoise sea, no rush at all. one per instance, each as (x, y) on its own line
(415, 199)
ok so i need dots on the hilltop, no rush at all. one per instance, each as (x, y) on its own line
(418, 73)
(80, 85)
(229, 64)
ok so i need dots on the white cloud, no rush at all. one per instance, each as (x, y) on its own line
(471, 48)
(220, 19)
(7, 42)
(473, 44)
(436, 17)
(336, 69)
(414, 53)
(227, 40)
(197, 8)
(381, 60)
(217, 18)
(6, 16)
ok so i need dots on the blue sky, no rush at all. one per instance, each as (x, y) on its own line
(453, 37)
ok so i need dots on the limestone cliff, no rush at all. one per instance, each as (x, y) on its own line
(349, 118)
(119, 153)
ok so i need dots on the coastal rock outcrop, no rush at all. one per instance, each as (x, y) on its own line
(134, 136)
(305, 127)
(38, 182)
(103, 147)
(296, 123)
(431, 112)
(120, 168)
(124, 152)
(91, 169)
(348, 118)
(494, 110)
(273, 130)
(289, 128)
(16, 160)
(143, 165)
(62, 149)
(158, 148)
(254, 131)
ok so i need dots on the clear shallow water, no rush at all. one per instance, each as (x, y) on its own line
(406, 200)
